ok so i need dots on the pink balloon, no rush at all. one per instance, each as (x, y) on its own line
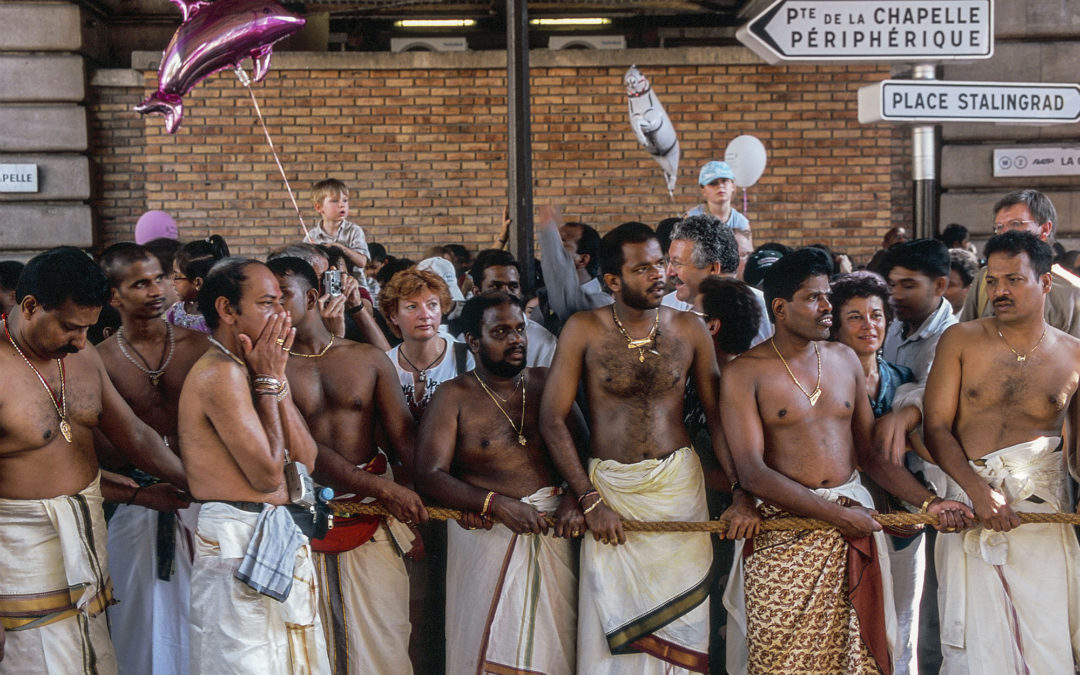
(212, 37)
(154, 225)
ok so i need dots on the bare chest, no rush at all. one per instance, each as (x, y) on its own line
(321, 387)
(1037, 387)
(30, 415)
(623, 371)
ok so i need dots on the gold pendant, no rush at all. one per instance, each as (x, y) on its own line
(154, 379)
(521, 439)
(65, 429)
(815, 396)
(638, 344)
(641, 356)
(1021, 358)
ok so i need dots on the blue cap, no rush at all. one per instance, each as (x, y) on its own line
(714, 170)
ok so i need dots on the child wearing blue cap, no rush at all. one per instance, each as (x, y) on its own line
(717, 182)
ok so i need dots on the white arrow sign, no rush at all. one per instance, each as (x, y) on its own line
(871, 30)
(929, 101)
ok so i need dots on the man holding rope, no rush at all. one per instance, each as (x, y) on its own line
(999, 393)
(643, 598)
(349, 396)
(511, 598)
(798, 421)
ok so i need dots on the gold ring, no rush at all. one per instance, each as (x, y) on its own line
(605, 541)
(280, 341)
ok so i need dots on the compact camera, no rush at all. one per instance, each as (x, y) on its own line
(331, 280)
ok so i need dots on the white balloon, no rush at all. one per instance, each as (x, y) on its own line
(652, 126)
(746, 156)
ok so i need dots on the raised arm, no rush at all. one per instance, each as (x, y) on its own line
(941, 404)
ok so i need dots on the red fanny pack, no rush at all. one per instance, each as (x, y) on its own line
(352, 531)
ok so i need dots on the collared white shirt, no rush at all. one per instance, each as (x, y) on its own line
(916, 351)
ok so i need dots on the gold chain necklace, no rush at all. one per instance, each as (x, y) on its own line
(816, 394)
(61, 407)
(1023, 357)
(520, 429)
(641, 343)
(315, 356)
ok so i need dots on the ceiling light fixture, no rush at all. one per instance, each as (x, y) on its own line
(435, 23)
(571, 21)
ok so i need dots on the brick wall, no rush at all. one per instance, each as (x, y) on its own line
(118, 169)
(423, 151)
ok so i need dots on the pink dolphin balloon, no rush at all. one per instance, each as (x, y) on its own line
(212, 37)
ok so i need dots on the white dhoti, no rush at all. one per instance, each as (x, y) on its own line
(643, 606)
(511, 600)
(1010, 601)
(815, 623)
(54, 585)
(150, 621)
(236, 630)
(364, 593)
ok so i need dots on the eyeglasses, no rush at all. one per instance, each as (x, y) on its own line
(1012, 225)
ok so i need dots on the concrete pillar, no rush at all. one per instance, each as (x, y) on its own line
(43, 124)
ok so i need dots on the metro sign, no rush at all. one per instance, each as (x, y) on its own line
(825, 31)
(933, 101)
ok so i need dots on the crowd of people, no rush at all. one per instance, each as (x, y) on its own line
(189, 493)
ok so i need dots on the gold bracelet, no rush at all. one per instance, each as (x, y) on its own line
(598, 502)
(929, 500)
(487, 503)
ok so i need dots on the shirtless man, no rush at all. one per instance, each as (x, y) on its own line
(149, 551)
(349, 396)
(798, 421)
(238, 429)
(483, 453)
(634, 358)
(998, 395)
(54, 585)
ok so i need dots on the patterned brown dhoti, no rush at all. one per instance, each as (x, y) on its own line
(815, 602)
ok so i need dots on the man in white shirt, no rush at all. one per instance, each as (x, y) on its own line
(701, 247)
(497, 270)
(918, 275)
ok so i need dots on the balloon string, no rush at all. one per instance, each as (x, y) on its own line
(247, 84)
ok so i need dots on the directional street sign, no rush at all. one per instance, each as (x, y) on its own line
(829, 31)
(932, 101)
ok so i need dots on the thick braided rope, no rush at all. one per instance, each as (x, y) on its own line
(790, 523)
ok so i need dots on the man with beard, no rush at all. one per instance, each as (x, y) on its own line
(150, 532)
(511, 601)
(253, 597)
(349, 395)
(54, 584)
(999, 393)
(643, 604)
(798, 421)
